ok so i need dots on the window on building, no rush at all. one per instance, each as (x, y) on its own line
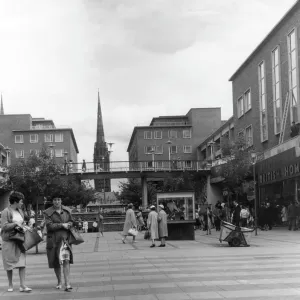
(173, 149)
(159, 149)
(59, 137)
(34, 152)
(240, 107)
(158, 134)
(147, 135)
(187, 149)
(262, 102)
(276, 90)
(293, 61)
(19, 139)
(48, 138)
(59, 152)
(172, 134)
(187, 164)
(187, 134)
(34, 138)
(159, 164)
(247, 100)
(19, 153)
(149, 149)
(249, 136)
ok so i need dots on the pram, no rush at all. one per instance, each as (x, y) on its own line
(235, 235)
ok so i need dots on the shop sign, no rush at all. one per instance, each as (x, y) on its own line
(282, 166)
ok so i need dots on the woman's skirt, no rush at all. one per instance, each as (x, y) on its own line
(12, 256)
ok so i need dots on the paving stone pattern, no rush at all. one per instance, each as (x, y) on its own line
(203, 269)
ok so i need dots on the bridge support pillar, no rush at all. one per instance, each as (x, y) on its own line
(144, 192)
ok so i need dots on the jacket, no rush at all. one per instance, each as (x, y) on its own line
(6, 222)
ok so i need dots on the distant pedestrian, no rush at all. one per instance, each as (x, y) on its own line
(152, 224)
(208, 220)
(292, 215)
(130, 222)
(140, 220)
(95, 226)
(236, 214)
(80, 224)
(101, 225)
(217, 214)
(85, 226)
(162, 225)
(244, 215)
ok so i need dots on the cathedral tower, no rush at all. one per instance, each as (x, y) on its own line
(101, 154)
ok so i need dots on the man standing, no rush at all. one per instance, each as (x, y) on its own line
(236, 213)
(292, 215)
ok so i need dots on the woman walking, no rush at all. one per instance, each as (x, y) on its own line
(13, 258)
(153, 225)
(59, 221)
(162, 225)
(130, 222)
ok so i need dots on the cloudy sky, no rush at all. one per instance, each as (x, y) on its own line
(148, 58)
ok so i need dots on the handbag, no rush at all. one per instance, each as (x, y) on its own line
(75, 237)
(133, 232)
(17, 235)
(32, 238)
(147, 235)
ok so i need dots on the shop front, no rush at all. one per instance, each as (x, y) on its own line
(279, 178)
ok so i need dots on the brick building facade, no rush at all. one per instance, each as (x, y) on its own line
(173, 137)
(25, 135)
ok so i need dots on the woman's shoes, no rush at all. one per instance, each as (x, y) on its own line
(68, 288)
(123, 241)
(26, 289)
(162, 246)
(153, 245)
(10, 289)
(58, 286)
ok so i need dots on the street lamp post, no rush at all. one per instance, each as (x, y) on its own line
(254, 158)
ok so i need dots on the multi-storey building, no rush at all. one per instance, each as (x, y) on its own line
(210, 148)
(173, 138)
(261, 86)
(24, 135)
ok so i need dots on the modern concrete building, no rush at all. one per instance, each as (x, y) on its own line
(24, 135)
(260, 88)
(173, 138)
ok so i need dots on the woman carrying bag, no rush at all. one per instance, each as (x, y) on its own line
(130, 222)
(13, 217)
(59, 220)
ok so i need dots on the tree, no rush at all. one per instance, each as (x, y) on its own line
(35, 175)
(131, 191)
(237, 155)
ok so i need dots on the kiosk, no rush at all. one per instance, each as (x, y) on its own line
(180, 208)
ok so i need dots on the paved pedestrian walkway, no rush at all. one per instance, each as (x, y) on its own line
(106, 269)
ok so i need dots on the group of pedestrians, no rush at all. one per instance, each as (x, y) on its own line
(58, 220)
(239, 215)
(156, 224)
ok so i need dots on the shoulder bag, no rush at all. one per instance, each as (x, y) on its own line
(75, 237)
(32, 238)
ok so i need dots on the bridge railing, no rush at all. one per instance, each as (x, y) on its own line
(137, 166)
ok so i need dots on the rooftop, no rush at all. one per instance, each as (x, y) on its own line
(247, 61)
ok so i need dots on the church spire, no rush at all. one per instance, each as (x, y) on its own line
(1, 108)
(100, 130)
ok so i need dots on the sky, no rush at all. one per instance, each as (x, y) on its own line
(147, 58)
